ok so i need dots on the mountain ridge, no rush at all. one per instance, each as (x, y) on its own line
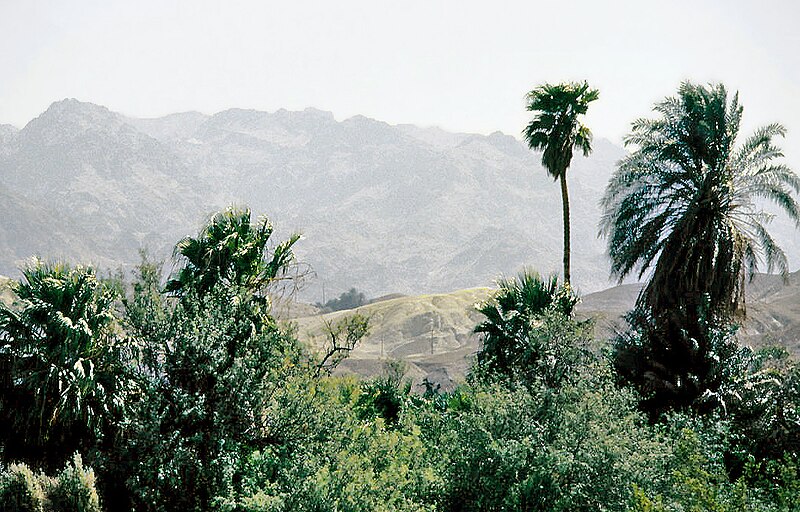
(385, 208)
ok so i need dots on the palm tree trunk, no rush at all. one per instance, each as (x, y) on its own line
(565, 205)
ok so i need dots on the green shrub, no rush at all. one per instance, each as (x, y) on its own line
(517, 342)
(386, 395)
(74, 489)
(20, 490)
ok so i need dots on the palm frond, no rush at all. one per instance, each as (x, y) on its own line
(683, 201)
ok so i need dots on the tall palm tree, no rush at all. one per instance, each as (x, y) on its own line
(685, 206)
(687, 199)
(233, 251)
(556, 131)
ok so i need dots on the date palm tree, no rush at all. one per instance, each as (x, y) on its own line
(556, 130)
(685, 207)
(686, 201)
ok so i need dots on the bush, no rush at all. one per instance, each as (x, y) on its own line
(386, 395)
(765, 405)
(554, 433)
(350, 299)
(20, 490)
(74, 489)
(576, 448)
(680, 360)
(353, 461)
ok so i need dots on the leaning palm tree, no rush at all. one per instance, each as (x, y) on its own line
(556, 131)
(685, 208)
(686, 202)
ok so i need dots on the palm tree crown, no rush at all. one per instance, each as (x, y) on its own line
(687, 198)
(58, 361)
(509, 344)
(233, 251)
(556, 131)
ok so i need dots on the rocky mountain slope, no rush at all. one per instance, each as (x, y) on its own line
(383, 208)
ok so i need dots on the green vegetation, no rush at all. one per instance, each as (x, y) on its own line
(686, 203)
(190, 396)
(350, 299)
(517, 334)
(73, 490)
(556, 131)
(60, 362)
(232, 251)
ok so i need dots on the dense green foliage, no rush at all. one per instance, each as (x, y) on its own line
(191, 396)
(218, 407)
(59, 361)
(515, 332)
(20, 490)
(556, 130)
(73, 490)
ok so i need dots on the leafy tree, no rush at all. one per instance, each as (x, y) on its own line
(208, 386)
(684, 205)
(216, 378)
(350, 299)
(60, 364)
(579, 447)
(556, 131)
(342, 335)
(514, 337)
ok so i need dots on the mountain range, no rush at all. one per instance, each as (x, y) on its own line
(384, 208)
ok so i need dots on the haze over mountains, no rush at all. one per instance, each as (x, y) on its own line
(382, 208)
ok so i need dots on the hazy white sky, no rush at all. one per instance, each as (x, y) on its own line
(461, 65)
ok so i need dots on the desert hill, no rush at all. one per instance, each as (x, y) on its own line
(6, 295)
(433, 333)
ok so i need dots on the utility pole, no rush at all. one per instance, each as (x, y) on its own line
(431, 335)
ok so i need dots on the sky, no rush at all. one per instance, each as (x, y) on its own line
(460, 65)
